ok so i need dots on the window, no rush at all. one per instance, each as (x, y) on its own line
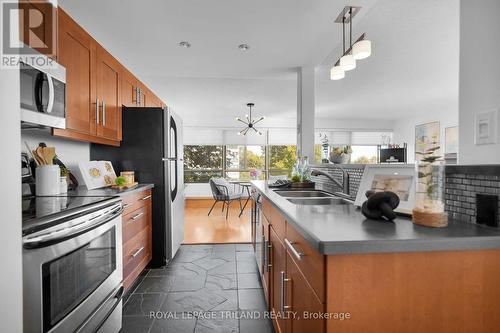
(240, 160)
(202, 163)
(281, 160)
(364, 154)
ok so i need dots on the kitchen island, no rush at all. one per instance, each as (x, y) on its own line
(360, 275)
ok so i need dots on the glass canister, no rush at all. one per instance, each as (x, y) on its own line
(429, 199)
(129, 176)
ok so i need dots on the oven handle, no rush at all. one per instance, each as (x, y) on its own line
(70, 232)
(115, 298)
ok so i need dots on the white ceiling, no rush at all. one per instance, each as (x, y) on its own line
(414, 66)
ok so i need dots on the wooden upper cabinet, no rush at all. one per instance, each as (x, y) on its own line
(108, 95)
(97, 86)
(38, 26)
(129, 92)
(77, 51)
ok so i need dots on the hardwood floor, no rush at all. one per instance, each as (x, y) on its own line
(215, 229)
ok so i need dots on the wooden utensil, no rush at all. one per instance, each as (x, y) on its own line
(36, 158)
(38, 152)
(49, 153)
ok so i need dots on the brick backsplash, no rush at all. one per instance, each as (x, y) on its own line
(462, 185)
(355, 172)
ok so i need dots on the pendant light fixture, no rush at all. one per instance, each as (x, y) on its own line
(250, 122)
(361, 49)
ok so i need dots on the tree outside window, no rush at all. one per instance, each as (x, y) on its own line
(202, 163)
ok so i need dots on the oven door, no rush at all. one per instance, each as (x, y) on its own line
(43, 96)
(68, 283)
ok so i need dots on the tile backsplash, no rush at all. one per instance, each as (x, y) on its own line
(463, 185)
(355, 172)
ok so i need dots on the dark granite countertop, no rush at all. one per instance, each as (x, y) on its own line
(108, 191)
(342, 229)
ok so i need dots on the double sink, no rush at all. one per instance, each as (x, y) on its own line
(312, 197)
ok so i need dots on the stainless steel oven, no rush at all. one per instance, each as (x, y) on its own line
(72, 270)
(43, 94)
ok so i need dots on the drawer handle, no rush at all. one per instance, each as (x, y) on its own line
(146, 197)
(126, 206)
(296, 253)
(135, 217)
(136, 253)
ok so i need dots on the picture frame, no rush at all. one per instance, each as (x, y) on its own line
(398, 178)
(451, 143)
(427, 136)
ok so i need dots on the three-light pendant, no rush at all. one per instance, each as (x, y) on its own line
(361, 49)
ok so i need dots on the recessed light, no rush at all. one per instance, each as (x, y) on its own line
(244, 47)
(185, 44)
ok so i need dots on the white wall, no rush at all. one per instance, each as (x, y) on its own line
(69, 152)
(479, 75)
(11, 288)
(404, 129)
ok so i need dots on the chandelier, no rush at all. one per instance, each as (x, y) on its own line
(250, 122)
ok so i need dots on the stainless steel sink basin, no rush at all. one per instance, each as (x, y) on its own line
(304, 194)
(319, 201)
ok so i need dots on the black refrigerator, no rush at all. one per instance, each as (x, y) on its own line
(152, 147)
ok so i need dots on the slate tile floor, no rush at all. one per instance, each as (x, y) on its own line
(203, 289)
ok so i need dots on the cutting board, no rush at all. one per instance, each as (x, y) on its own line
(125, 187)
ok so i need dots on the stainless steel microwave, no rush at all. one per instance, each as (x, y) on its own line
(43, 95)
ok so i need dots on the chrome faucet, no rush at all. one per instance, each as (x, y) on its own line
(345, 178)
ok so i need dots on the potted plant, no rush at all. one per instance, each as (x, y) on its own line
(341, 155)
(301, 174)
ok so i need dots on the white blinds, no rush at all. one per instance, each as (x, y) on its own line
(282, 136)
(360, 138)
(368, 138)
(201, 136)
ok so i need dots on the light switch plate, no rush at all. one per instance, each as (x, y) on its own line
(486, 127)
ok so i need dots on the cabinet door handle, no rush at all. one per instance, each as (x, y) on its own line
(97, 111)
(135, 217)
(136, 253)
(103, 113)
(135, 93)
(283, 279)
(296, 253)
(269, 264)
(126, 205)
(146, 197)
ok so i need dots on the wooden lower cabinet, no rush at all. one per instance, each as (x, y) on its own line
(266, 262)
(136, 235)
(304, 305)
(437, 291)
(278, 268)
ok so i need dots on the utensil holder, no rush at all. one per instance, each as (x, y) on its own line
(47, 180)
